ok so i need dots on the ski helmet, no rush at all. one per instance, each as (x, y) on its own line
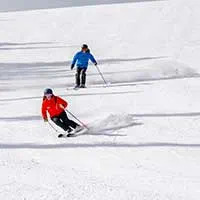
(48, 91)
(84, 46)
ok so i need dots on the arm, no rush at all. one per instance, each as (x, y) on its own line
(93, 59)
(44, 111)
(62, 103)
(75, 59)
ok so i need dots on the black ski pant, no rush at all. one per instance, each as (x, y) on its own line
(64, 122)
(81, 76)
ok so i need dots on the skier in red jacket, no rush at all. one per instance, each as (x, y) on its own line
(55, 106)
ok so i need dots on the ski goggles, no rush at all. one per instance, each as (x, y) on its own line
(48, 96)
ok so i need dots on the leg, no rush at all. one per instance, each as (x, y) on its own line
(69, 123)
(83, 77)
(78, 74)
(58, 122)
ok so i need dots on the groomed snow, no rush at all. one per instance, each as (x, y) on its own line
(144, 139)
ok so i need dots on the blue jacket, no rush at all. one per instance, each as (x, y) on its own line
(81, 59)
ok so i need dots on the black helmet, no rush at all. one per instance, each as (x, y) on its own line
(84, 46)
(48, 91)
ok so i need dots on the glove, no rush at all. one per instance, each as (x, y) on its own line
(45, 120)
(95, 64)
(72, 66)
(61, 106)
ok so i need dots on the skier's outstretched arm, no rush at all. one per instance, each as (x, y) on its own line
(93, 59)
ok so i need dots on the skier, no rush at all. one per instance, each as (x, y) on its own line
(81, 59)
(55, 106)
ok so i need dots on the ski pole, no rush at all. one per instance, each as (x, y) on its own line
(101, 75)
(53, 127)
(77, 119)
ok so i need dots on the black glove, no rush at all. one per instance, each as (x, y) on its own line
(95, 64)
(72, 66)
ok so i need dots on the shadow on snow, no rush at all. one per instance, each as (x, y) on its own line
(70, 95)
(31, 48)
(98, 145)
(23, 44)
(47, 4)
(21, 118)
(29, 45)
(147, 115)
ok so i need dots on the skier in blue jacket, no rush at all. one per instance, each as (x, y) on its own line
(81, 60)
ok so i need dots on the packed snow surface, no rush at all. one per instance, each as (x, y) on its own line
(143, 142)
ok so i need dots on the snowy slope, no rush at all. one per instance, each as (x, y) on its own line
(144, 138)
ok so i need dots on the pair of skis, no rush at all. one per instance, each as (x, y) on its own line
(74, 134)
(77, 88)
(92, 86)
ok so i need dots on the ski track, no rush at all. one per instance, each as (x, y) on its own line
(143, 141)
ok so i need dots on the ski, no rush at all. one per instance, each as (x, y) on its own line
(64, 135)
(61, 135)
(77, 88)
(74, 134)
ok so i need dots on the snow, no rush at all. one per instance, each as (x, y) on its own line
(144, 139)
(21, 5)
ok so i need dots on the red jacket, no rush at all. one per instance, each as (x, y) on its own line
(55, 106)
